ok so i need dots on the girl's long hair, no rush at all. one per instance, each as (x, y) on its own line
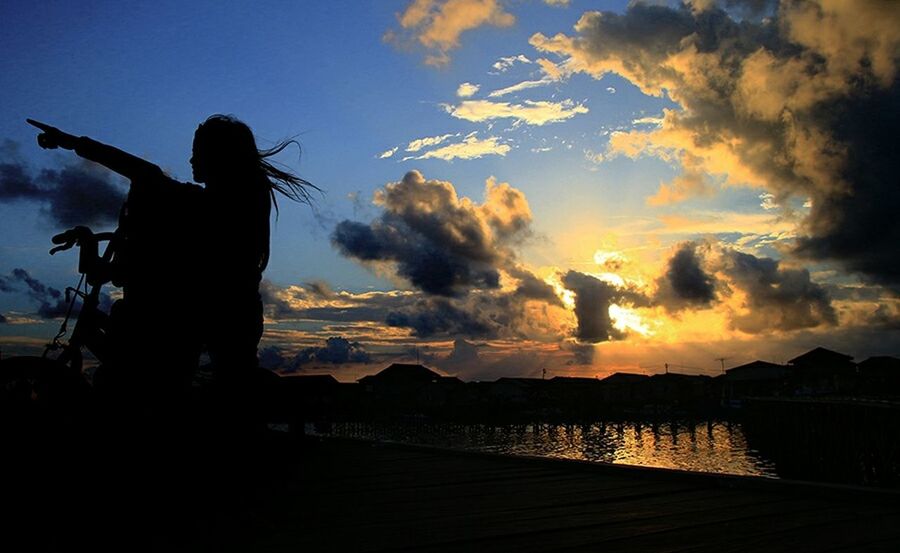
(234, 144)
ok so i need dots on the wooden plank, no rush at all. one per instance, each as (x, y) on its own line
(354, 497)
(481, 523)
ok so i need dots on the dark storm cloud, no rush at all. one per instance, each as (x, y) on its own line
(750, 8)
(424, 263)
(80, 197)
(51, 302)
(531, 287)
(804, 103)
(860, 228)
(454, 252)
(6, 284)
(272, 358)
(77, 194)
(438, 316)
(774, 297)
(16, 184)
(777, 298)
(336, 351)
(685, 283)
(442, 244)
(315, 301)
(854, 293)
(478, 361)
(463, 358)
(886, 318)
(582, 354)
(592, 300)
(320, 289)
(482, 314)
(275, 305)
(463, 353)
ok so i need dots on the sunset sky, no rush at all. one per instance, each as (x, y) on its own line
(586, 187)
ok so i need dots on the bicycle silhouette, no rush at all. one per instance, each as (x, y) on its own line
(55, 384)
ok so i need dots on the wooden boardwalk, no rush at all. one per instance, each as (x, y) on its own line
(278, 494)
(358, 496)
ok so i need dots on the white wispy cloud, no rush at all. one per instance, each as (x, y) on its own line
(767, 201)
(552, 72)
(504, 63)
(524, 85)
(470, 148)
(388, 153)
(427, 142)
(530, 112)
(594, 157)
(656, 121)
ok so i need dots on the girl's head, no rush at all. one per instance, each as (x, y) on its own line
(223, 146)
(226, 159)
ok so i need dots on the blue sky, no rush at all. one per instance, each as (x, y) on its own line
(142, 76)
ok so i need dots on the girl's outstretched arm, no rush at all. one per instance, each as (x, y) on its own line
(125, 164)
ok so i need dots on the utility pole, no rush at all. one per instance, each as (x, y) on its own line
(722, 360)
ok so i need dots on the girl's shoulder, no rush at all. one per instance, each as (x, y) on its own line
(162, 190)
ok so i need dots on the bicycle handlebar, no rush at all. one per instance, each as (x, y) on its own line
(95, 267)
(77, 235)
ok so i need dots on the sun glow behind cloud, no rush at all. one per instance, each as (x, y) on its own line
(628, 320)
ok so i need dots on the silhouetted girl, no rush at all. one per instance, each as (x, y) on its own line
(193, 256)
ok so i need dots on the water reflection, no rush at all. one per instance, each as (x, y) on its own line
(718, 447)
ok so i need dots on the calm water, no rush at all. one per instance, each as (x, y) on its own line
(702, 447)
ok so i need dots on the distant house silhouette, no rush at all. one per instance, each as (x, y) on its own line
(822, 371)
(879, 376)
(411, 386)
(624, 388)
(578, 396)
(307, 380)
(516, 390)
(680, 390)
(574, 388)
(299, 397)
(755, 379)
(399, 375)
(405, 389)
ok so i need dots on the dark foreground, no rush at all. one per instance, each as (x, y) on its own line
(335, 495)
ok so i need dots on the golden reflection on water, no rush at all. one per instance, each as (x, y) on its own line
(702, 447)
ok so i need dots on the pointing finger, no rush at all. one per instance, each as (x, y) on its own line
(43, 126)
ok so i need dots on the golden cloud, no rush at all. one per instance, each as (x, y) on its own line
(437, 24)
(467, 90)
